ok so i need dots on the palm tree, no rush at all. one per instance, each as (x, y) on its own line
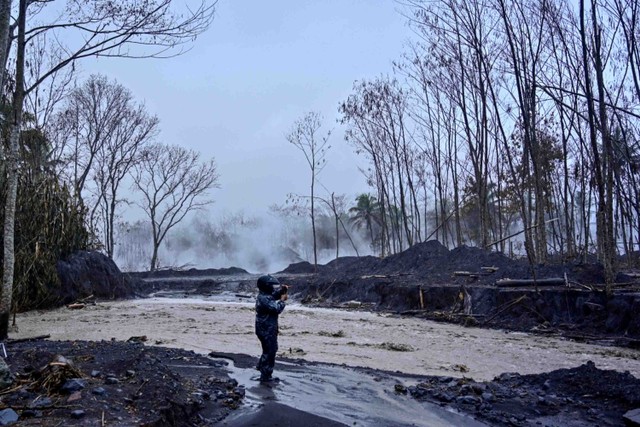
(365, 213)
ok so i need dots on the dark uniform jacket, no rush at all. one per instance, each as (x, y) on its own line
(268, 307)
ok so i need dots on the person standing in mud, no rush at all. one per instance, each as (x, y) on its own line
(269, 304)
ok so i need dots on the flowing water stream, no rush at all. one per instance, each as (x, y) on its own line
(345, 395)
(224, 323)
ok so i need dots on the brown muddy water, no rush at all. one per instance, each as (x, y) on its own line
(353, 338)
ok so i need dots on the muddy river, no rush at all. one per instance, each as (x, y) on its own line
(352, 338)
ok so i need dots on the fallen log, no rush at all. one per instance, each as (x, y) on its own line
(552, 281)
(438, 313)
(384, 276)
(86, 299)
(462, 273)
(75, 306)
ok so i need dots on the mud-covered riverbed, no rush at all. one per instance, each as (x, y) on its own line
(387, 369)
(353, 338)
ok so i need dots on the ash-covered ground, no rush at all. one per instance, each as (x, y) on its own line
(129, 383)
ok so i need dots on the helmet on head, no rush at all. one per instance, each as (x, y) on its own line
(266, 283)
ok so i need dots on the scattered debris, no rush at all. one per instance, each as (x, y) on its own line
(391, 346)
(293, 351)
(352, 304)
(130, 384)
(54, 376)
(552, 281)
(459, 367)
(338, 334)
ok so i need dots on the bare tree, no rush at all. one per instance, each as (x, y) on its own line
(115, 158)
(11, 170)
(173, 182)
(88, 120)
(41, 102)
(305, 136)
(100, 131)
(127, 28)
(377, 126)
(5, 21)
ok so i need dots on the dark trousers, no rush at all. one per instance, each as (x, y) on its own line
(269, 342)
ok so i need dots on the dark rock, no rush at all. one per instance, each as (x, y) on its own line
(111, 380)
(444, 397)
(78, 413)
(418, 391)
(8, 416)
(41, 403)
(95, 374)
(99, 391)
(31, 413)
(200, 395)
(218, 363)
(87, 273)
(478, 388)
(6, 378)
(632, 418)
(24, 393)
(468, 400)
(239, 391)
(488, 397)
(399, 388)
(73, 384)
(506, 376)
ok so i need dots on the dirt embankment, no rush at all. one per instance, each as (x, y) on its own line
(474, 286)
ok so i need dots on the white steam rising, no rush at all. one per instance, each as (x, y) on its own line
(257, 244)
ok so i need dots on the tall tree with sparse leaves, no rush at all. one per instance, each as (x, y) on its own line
(305, 136)
(127, 28)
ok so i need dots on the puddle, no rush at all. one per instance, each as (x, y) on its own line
(341, 394)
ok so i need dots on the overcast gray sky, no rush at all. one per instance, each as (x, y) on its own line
(261, 66)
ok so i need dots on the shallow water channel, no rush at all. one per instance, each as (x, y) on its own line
(342, 394)
(224, 323)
